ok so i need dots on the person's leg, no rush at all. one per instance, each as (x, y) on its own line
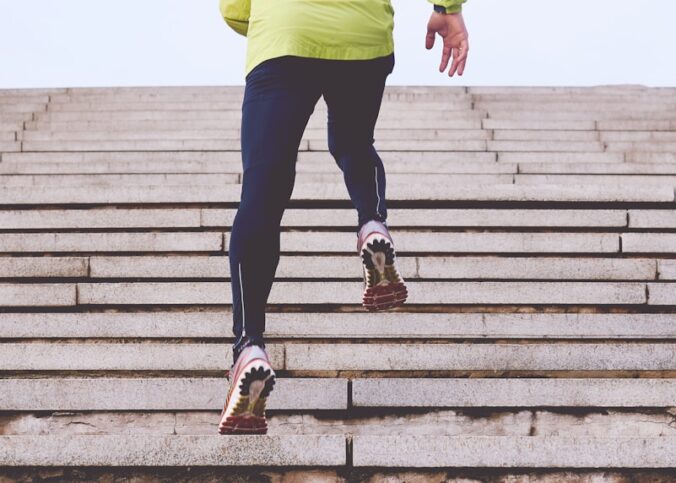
(280, 95)
(353, 92)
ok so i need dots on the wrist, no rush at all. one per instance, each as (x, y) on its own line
(447, 10)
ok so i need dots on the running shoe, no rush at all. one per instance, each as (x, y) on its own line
(384, 288)
(251, 381)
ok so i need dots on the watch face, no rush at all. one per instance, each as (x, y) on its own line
(440, 8)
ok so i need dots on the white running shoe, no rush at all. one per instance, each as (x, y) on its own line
(384, 288)
(251, 381)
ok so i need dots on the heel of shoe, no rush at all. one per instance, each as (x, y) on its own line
(384, 288)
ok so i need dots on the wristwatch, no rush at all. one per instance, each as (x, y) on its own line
(439, 9)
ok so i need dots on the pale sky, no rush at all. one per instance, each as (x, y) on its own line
(70, 43)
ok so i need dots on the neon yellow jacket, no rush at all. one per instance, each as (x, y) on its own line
(325, 29)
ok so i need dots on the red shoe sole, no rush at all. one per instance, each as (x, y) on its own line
(384, 297)
(244, 425)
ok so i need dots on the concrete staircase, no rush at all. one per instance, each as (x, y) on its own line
(535, 226)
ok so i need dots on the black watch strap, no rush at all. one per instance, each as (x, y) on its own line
(439, 8)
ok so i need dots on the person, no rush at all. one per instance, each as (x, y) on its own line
(297, 52)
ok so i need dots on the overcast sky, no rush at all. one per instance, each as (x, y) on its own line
(55, 43)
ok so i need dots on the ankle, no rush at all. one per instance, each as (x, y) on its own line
(245, 342)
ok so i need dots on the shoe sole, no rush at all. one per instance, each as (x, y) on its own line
(384, 289)
(248, 415)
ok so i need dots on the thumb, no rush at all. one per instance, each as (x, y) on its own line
(429, 39)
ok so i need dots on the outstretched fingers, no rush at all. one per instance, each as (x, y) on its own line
(459, 59)
(445, 57)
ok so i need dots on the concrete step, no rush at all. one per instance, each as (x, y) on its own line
(531, 114)
(297, 217)
(650, 157)
(121, 180)
(183, 394)
(207, 105)
(531, 356)
(122, 242)
(158, 145)
(649, 242)
(14, 118)
(336, 242)
(512, 451)
(646, 125)
(321, 191)
(448, 268)
(219, 157)
(544, 146)
(551, 157)
(22, 98)
(93, 123)
(306, 164)
(632, 136)
(573, 105)
(544, 135)
(124, 357)
(156, 394)
(9, 146)
(454, 392)
(218, 179)
(194, 450)
(21, 107)
(207, 293)
(357, 325)
(6, 125)
(444, 217)
(598, 168)
(595, 179)
(553, 125)
(234, 116)
(38, 295)
(68, 133)
(656, 147)
(416, 451)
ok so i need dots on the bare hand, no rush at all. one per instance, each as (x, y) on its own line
(451, 27)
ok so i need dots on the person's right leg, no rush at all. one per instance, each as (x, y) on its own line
(280, 95)
(353, 91)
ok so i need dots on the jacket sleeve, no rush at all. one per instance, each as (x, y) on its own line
(452, 6)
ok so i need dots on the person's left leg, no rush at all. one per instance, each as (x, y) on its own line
(279, 97)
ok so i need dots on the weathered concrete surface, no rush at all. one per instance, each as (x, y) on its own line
(404, 392)
(38, 356)
(111, 242)
(37, 295)
(489, 292)
(293, 217)
(147, 450)
(161, 394)
(510, 451)
(336, 191)
(44, 266)
(542, 356)
(325, 325)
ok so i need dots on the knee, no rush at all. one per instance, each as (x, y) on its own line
(350, 142)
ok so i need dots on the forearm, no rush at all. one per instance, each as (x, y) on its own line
(452, 6)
